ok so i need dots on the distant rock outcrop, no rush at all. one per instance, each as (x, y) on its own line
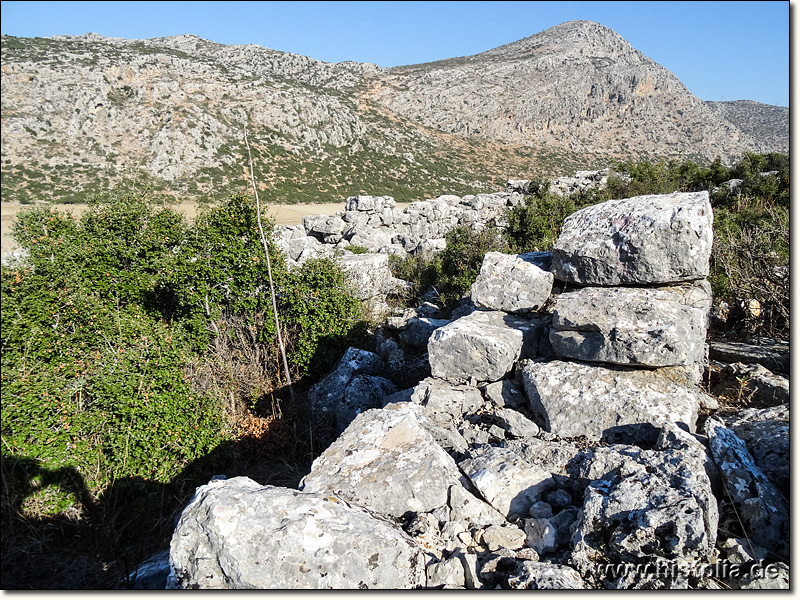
(89, 113)
(765, 124)
(575, 85)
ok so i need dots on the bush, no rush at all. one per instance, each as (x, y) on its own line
(91, 377)
(320, 314)
(110, 327)
(462, 258)
(750, 261)
(422, 270)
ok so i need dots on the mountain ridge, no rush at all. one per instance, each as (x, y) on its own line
(93, 112)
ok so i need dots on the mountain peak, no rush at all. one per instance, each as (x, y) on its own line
(567, 39)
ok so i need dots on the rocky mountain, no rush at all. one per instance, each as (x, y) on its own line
(767, 125)
(84, 114)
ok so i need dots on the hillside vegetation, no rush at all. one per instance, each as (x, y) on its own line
(139, 355)
(88, 114)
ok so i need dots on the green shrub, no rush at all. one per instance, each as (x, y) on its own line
(102, 327)
(422, 270)
(91, 378)
(321, 315)
(462, 258)
(535, 224)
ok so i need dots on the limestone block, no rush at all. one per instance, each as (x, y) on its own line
(632, 326)
(641, 240)
(512, 283)
(483, 345)
(239, 534)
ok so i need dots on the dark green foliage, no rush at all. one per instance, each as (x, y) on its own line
(463, 256)
(423, 271)
(101, 325)
(91, 378)
(323, 318)
(536, 224)
(453, 271)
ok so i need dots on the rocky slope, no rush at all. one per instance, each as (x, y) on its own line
(768, 125)
(84, 114)
(578, 85)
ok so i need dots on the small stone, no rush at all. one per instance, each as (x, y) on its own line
(498, 536)
(558, 499)
(540, 510)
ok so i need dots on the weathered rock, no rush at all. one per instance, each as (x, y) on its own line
(239, 534)
(513, 283)
(540, 510)
(417, 331)
(448, 573)
(632, 326)
(549, 455)
(576, 399)
(533, 575)
(496, 567)
(327, 229)
(470, 512)
(293, 241)
(520, 186)
(152, 574)
(751, 383)
(373, 239)
(582, 181)
(441, 425)
(424, 530)
(515, 423)
(558, 499)
(389, 349)
(505, 394)
(773, 356)
(540, 535)
(771, 577)
(657, 504)
(739, 551)
(550, 533)
(470, 563)
(325, 397)
(636, 241)
(445, 397)
(763, 510)
(483, 345)
(503, 536)
(368, 274)
(369, 203)
(361, 393)
(766, 433)
(506, 481)
(387, 461)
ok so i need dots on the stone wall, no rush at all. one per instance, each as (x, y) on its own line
(564, 396)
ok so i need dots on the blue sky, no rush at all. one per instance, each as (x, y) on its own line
(719, 50)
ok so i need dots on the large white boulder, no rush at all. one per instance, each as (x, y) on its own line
(641, 240)
(483, 345)
(633, 326)
(513, 283)
(237, 534)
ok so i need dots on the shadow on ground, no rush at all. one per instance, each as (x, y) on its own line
(99, 539)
